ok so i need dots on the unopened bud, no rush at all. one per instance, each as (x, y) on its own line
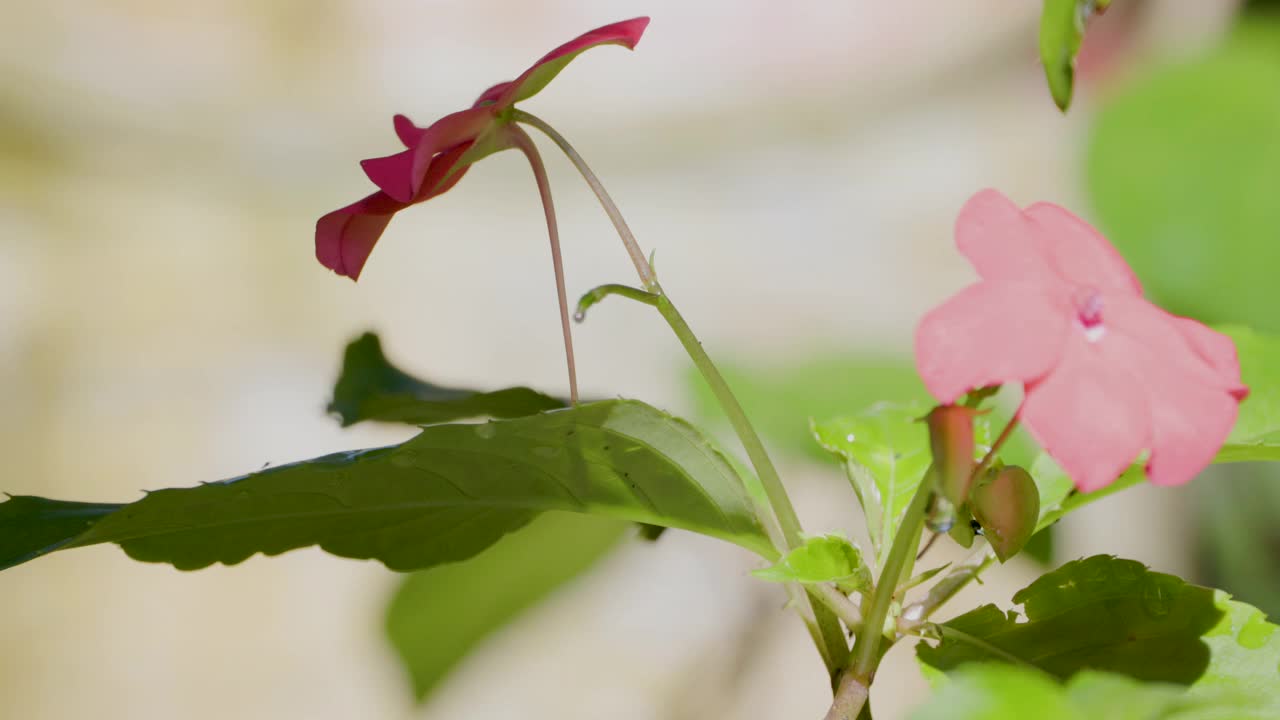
(1006, 503)
(951, 441)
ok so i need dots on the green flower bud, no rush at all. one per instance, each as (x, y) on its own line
(1006, 503)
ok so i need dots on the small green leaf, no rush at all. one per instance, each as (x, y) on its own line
(1005, 692)
(1109, 614)
(1062, 25)
(34, 526)
(443, 496)
(371, 388)
(824, 559)
(886, 452)
(438, 616)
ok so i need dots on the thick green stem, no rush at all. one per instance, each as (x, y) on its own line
(866, 652)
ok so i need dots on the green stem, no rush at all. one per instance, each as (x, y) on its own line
(917, 614)
(610, 208)
(866, 651)
(600, 292)
(823, 624)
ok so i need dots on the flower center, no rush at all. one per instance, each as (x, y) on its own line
(1088, 302)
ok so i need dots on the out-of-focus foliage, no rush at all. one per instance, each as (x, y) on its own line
(438, 616)
(1104, 613)
(1183, 169)
(1006, 692)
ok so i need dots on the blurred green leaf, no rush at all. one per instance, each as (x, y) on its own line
(1256, 435)
(886, 452)
(371, 388)
(438, 616)
(440, 497)
(1109, 614)
(1062, 26)
(1005, 692)
(822, 559)
(783, 398)
(1182, 169)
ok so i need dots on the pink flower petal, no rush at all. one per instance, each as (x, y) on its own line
(1089, 415)
(1080, 253)
(1216, 349)
(989, 333)
(345, 237)
(401, 175)
(626, 33)
(1189, 423)
(1000, 241)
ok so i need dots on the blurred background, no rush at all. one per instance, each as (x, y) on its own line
(797, 168)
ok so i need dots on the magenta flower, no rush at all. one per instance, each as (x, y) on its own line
(436, 157)
(1106, 373)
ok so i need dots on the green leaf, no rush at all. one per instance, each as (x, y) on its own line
(823, 559)
(438, 616)
(1182, 170)
(33, 526)
(1002, 692)
(371, 388)
(1062, 25)
(781, 399)
(1116, 615)
(1256, 435)
(886, 452)
(442, 496)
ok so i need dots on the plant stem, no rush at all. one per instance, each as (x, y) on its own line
(851, 699)
(866, 653)
(917, 614)
(840, 604)
(780, 513)
(628, 239)
(995, 448)
(600, 292)
(525, 144)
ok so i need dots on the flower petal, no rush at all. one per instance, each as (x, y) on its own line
(1216, 349)
(463, 126)
(1196, 353)
(1079, 252)
(1089, 414)
(626, 33)
(408, 133)
(345, 237)
(1000, 241)
(987, 334)
(1189, 424)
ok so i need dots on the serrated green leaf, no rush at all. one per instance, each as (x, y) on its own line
(371, 388)
(1005, 692)
(1109, 614)
(438, 616)
(35, 526)
(822, 559)
(886, 451)
(442, 496)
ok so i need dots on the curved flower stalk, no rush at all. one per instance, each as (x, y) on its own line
(436, 157)
(1107, 374)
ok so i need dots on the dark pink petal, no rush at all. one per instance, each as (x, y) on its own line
(990, 333)
(1089, 415)
(408, 133)
(345, 237)
(626, 33)
(999, 240)
(464, 126)
(490, 96)
(1080, 253)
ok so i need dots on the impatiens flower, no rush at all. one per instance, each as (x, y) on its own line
(436, 157)
(1107, 374)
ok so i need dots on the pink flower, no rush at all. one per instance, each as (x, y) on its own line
(1107, 374)
(436, 157)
